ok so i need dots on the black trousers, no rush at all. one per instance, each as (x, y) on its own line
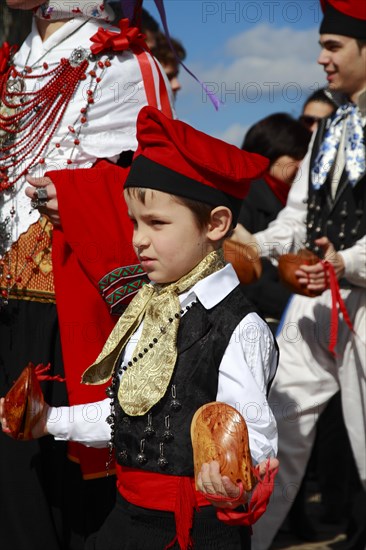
(130, 527)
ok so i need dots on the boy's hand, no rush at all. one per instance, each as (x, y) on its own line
(38, 430)
(210, 482)
(273, 463)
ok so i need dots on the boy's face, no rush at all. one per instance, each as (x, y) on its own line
(166, 237)
(344, 63)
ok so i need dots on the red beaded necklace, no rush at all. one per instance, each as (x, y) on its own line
(36, 116)
(28, 122)
(29, 119)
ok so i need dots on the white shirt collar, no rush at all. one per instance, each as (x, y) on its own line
(213, 289)
(59, 38)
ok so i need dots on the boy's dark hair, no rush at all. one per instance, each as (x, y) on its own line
(361, 43)
(201, 210)
(277, 135)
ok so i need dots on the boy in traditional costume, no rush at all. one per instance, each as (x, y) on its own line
(187, 339)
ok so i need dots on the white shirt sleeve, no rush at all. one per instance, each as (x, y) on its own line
(287, 233)
(355, 262)
(82, 423)
(249, 363)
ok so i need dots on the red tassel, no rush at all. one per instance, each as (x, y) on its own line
(337, 301)
(185, 505)
(257, 505)
(41, 368)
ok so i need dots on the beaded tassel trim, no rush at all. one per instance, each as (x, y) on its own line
(30, 119)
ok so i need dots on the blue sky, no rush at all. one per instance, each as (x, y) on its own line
(259, 56)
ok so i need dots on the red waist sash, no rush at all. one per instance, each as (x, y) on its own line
(163, 492)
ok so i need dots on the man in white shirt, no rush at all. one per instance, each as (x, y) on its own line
(325, 213)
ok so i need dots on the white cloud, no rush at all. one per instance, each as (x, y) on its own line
(233, 134)
(264, 61)
(270, 42)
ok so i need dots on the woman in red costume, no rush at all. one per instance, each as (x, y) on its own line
(69, 97)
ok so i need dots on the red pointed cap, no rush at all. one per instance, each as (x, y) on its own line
(175, 158)
(344, 17)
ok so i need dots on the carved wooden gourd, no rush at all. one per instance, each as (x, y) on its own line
(288, 264)
(219, 432)
(244, 259)
(23, 404)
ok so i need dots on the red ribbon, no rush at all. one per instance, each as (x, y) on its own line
(41, 369)
(257, 505)
(337, 301)
(105, 40)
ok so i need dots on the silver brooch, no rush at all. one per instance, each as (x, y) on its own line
(15, 85)
(77, 56)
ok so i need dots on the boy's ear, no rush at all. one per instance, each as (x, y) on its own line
(220, 223)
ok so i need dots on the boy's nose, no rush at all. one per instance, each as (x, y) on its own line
(140, 240)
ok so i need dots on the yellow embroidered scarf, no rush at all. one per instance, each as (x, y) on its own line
(145, 382)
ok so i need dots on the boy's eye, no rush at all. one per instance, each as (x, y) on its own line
(157, 222)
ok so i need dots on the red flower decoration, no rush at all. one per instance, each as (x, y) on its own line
(105, 40)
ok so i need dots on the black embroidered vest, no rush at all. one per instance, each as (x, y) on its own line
(160, 441)
(343, 218)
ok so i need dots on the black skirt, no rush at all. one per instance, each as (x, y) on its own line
(44, 502)
(31, 471)
(130, 527)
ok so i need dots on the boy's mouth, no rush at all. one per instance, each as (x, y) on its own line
(146, 261)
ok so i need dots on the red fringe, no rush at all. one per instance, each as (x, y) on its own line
(257, 505)
(337, 301)
(41, 368)
(185, 505)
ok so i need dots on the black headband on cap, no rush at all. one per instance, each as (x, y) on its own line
(336, 22)
(146, 173)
